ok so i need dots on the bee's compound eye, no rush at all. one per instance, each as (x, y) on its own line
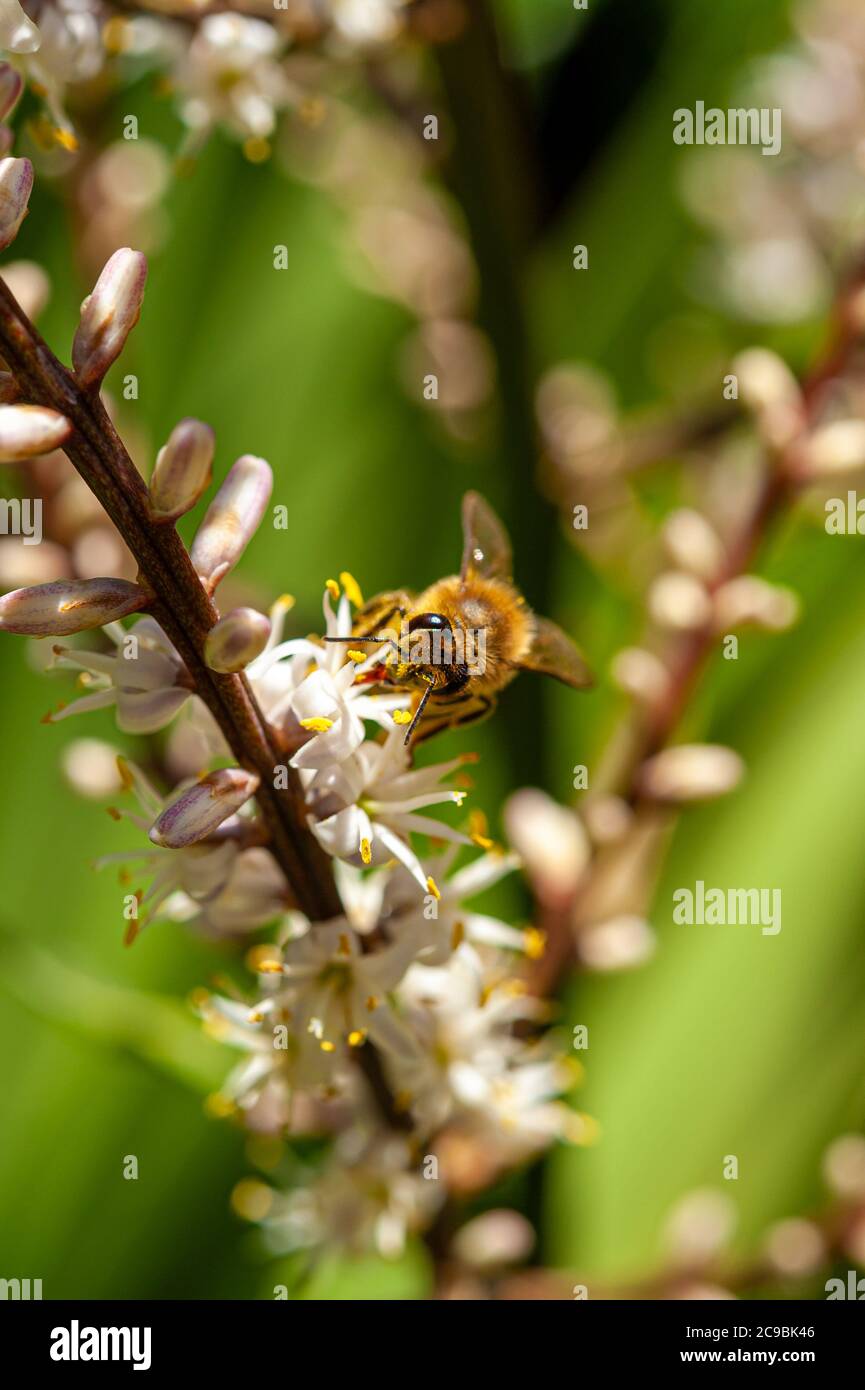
(435, 622)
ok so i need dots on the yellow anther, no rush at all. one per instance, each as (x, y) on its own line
(344, 944)
(256, 149)
(371, 1003)
(318, 724)
(483, 842)
(459, 797)
(332, 588)
(535, 942)
(432, 887)
(327, 1046)
(402, 716)
(352, 589)
(285, 601)
(65, 138)
(366, 851)
(357, 1037)
(255, 1017)
(458, 935)
(269, 967)
(219, 1106)
(124, 773)
(354, 655)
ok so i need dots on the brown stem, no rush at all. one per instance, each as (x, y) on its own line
(180, 602)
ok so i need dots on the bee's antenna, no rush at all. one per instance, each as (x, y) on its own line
(381, 640)
(419, 711)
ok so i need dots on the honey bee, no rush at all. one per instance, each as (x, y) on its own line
(463, 639)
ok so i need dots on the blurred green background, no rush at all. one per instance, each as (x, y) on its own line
(728, 1042)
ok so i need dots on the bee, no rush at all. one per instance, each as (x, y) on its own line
(466, 637)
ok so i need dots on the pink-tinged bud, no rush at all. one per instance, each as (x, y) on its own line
(182, 470)
(27, 430)
(232, 519)
(201, 808)
(11, 87)
(236, 639)
(18, 33)
(690, 772)
(16, 183)
(69, 605)
(108, 315)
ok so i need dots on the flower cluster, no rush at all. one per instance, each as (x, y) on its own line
(404, 1016)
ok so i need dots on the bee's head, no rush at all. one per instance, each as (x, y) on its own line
(429, 622)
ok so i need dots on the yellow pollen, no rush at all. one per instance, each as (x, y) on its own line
(432, 887)
(535, 942)
(482, 842)
(459, 797)
(65, 138)
(357, 1037)
(354, 655)
(366, 851)
(332, 588)
(327, 1046)
(255, 1017)
(402, 716)
(115, 35)
(256, 149)
(352, 589)
(318, 724)
(219, 1106)
(269, 967)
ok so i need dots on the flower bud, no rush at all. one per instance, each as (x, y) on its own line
(844, 1167)
(622, 943)
(27, 430)
(494, 1240)
(16, 183)
(550, 839)
(11, 87)
(69, 605)
(692, 543)
(838, 447)
(182, 471)
(751, 601)
(690, 772)
(29, 284)
(18, 34)
(679, 601)
(236, 639)
(201, 808)
(795, 1248)
(231, 519)
(771, 391)
(640, 674)
(108, 315)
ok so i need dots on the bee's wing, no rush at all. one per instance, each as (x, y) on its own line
(552, 653)
(486, 547)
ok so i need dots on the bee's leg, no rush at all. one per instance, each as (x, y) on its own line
(380, 611)
(455, 714)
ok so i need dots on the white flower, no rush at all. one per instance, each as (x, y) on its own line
(367, 22)
(144, 679)
(231, 76)
(311, 683)
(365, 809)
(369, 1195)
(253, 894)
(472, 1064)
(71, 50)
(201, 870)
(18, 33)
